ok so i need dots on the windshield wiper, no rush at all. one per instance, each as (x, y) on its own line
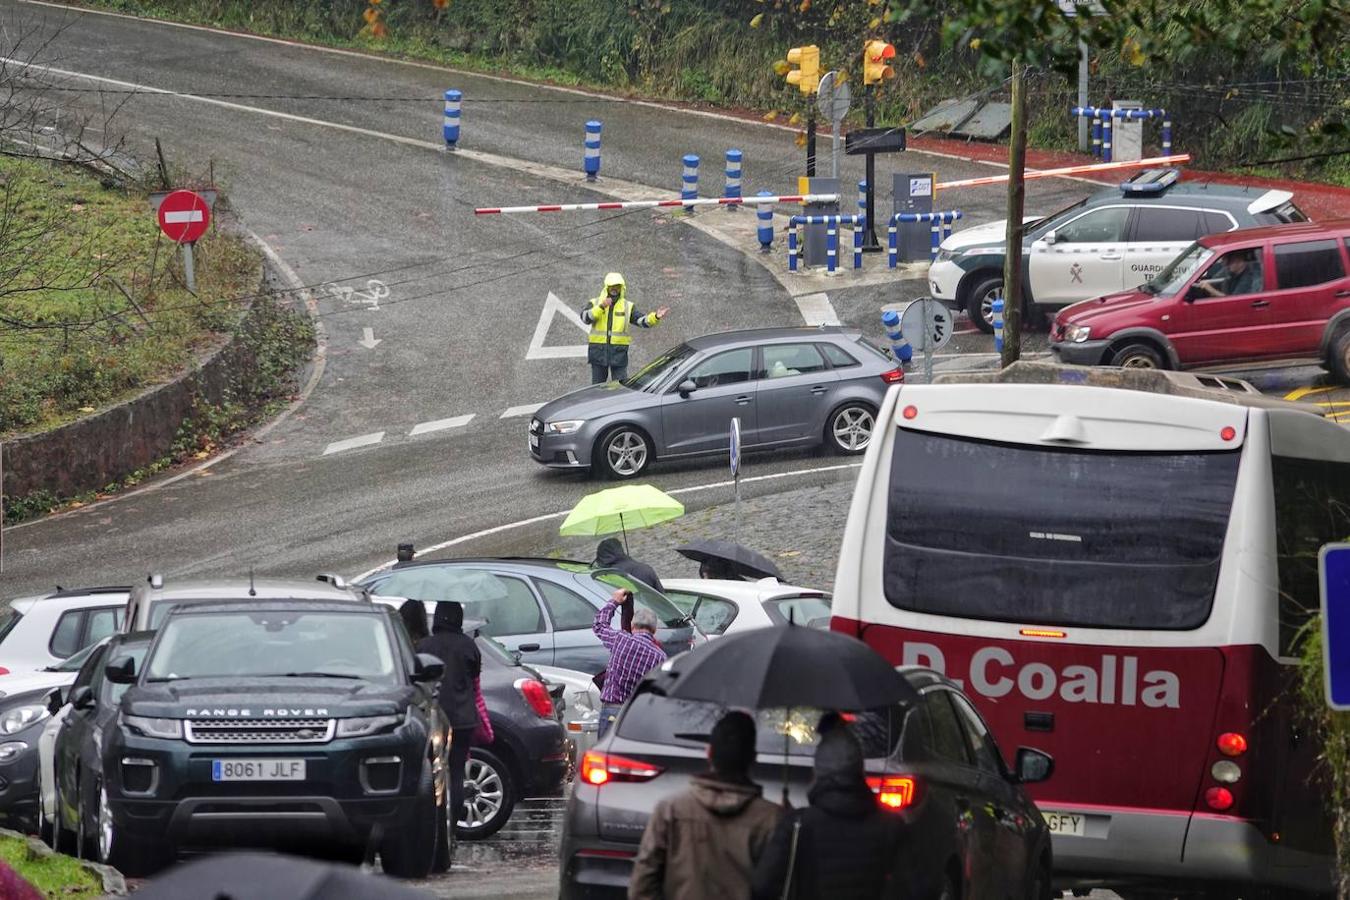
(1149, 287)
(315, 675)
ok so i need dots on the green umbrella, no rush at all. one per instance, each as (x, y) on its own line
(619, 509)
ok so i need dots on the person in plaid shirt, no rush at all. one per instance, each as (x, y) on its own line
(630, 655)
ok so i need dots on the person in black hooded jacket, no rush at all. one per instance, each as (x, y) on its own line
(463, 664)
(848, 847)
(611, 555)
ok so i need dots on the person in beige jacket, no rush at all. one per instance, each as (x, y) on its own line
(703, 843)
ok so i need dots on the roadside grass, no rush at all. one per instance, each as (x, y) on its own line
(93, 308)
(54, 876)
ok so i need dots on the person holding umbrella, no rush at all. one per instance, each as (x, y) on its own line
(844, 845)
(702, 843)
(611, 555)
(631, 656)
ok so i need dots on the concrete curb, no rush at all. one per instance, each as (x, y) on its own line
(114, 885)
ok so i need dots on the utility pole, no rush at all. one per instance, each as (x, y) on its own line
(811, 141)
(1082, 94)
(1012, 258)
(870, 118)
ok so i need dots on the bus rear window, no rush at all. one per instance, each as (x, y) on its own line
(1050, 536)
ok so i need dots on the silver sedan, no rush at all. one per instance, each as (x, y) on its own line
(790, 387)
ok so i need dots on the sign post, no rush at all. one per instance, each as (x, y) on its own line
(833, 100)
(735, 460)
(1333, 570)
(928, 325)
(184, 217)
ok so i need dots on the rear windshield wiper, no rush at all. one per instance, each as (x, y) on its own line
(320, 675)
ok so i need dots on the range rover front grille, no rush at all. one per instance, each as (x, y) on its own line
(259, 731)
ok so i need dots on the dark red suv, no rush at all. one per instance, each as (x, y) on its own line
(1279, 293)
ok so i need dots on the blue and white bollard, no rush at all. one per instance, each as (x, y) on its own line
(862, 198)
(831, 244)
(900, 348)
(591, 161)
(733, 187)
(892, 248)
(998, 324)
(859, 224)
(764, 212)
(689, 181)
(1166, 133)
(792, 247)
(1096, 136)
(1106, 135)
(450, 124)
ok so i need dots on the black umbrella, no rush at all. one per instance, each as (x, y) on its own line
(260, 876)
(787, 666)
(742, 560)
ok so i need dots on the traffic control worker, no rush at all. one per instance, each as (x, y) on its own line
(609, 316)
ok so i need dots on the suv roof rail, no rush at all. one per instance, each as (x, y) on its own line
(78, 592)
(1153, 381)
(156, 580)
(1150, 181)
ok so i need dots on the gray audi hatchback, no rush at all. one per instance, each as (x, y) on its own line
(789, 387)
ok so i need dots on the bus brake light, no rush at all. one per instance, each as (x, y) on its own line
(910, 412)
(1042, 633)
(1232, 744)
(1228, 433)
(1219, 798)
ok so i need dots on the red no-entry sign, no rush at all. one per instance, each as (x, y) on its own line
(184, 216)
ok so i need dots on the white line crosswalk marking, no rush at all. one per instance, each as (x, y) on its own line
(440, 424)
(528, 409)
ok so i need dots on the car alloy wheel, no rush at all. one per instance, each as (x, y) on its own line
(852, 428)
(1137, 356)
(484, 794)
(626, 453)
(980, 303)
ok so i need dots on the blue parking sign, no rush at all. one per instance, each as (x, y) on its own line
(1333, 564)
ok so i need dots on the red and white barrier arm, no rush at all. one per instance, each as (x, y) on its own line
(1174, 160)
(656, 204)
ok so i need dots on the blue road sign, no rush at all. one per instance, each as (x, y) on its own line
(1333, 564)
(735, 447)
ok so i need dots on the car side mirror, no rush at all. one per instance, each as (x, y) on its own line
(686, 387)
(1049, 236)
(1033, 765)
(56, 698)
(82, 697)
(429, 668)
(120, 671)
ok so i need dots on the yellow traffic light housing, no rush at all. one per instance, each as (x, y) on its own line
(875, 69)
(807, 76)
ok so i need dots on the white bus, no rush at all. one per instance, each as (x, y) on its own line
(1116, 565)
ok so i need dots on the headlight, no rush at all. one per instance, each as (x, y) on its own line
(172, 729)
(569, 426)
(946, 255)
(20, 717)
(11, 750)
(360, 727)
(1077, 333)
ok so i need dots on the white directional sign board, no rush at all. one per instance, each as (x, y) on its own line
(735, 447)
(927, 324)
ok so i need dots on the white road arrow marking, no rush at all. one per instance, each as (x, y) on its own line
(368, 339)
(440, 424)
(552, 307)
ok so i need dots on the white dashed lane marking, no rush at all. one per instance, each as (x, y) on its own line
(528, 409)
(364, 440)
(440, 424)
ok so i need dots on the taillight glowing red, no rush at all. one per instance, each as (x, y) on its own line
(1232, 744)
(536, 694)
(1228, 433)
(894, 376)
(894, 791)
(910, 412)
(4, 671)
(601, 768)
(1219, 798)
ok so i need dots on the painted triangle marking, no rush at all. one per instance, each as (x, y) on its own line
(553, 307)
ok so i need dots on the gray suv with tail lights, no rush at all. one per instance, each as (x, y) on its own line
(789, 387)
(286, 723)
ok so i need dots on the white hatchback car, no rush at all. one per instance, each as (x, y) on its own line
(723, 607)
(41, 631)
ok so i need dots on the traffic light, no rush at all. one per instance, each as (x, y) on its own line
(875, 54)
(807, 76)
